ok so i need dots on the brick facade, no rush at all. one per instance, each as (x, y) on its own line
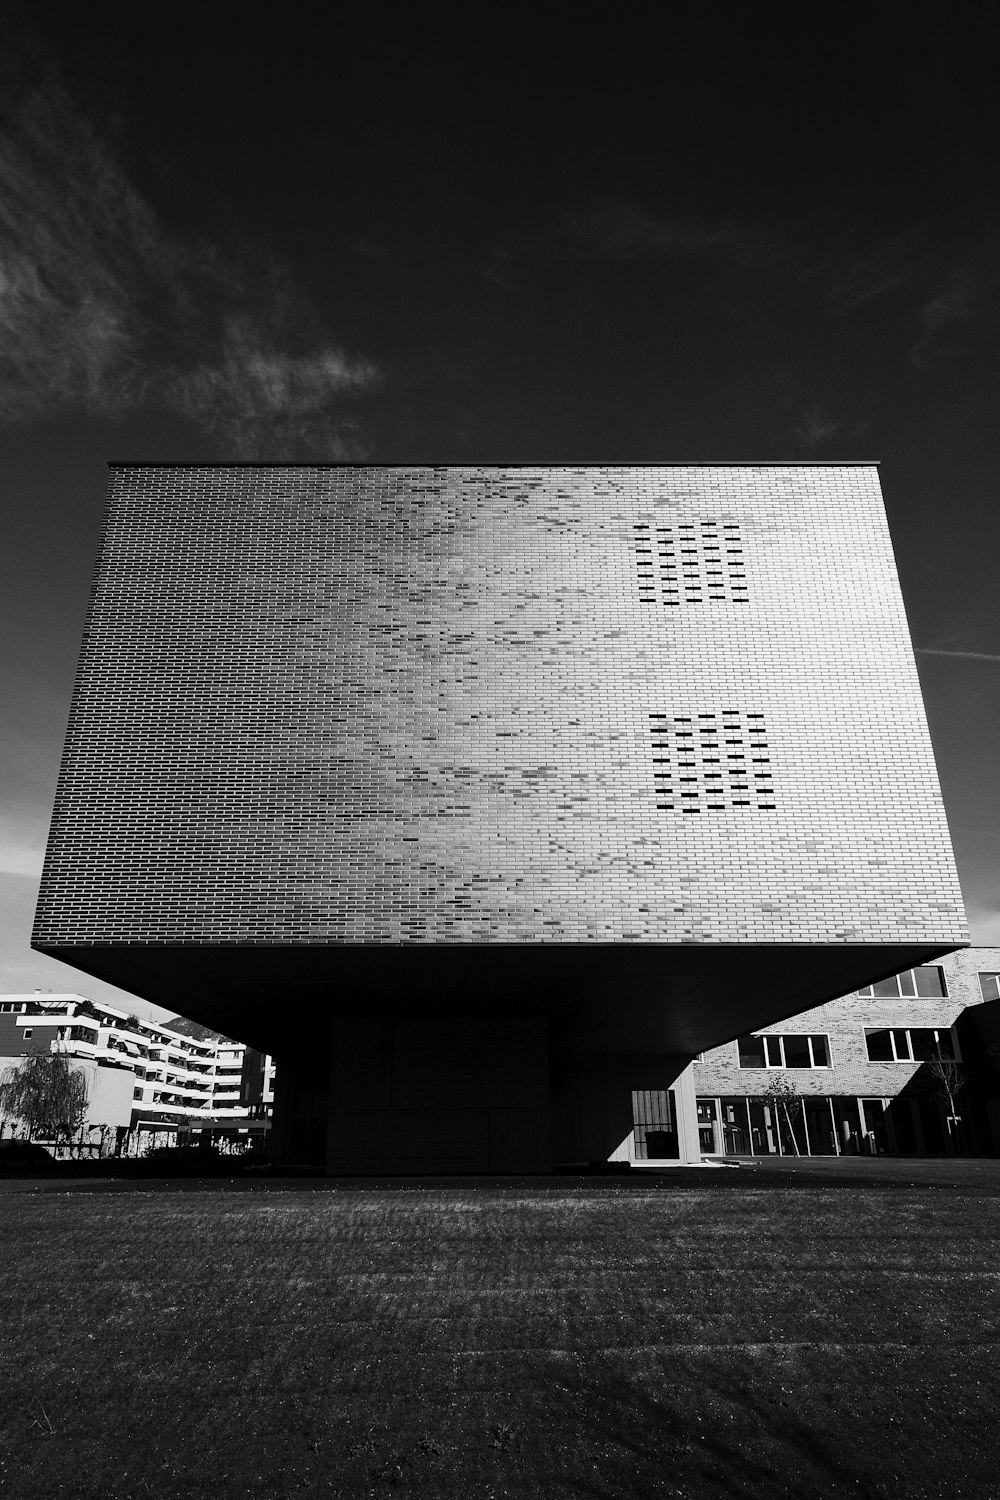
(845, 1021)
(851, 1074)
(548, 705)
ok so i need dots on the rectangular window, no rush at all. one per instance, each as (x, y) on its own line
(929, 1044)
(990, 986)
(797, 1053)
(924, 1043)
(28, 1030)
(886, 989)
(879, 1044)
(784, 1051)
(916, 1044)
(751, 1051)
(901, 1042)
(927, 982)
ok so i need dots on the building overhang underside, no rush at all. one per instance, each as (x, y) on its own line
(631, 997)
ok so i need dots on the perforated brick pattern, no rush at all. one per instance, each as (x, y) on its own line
(690, 562)
(390, 704)
(711, 761)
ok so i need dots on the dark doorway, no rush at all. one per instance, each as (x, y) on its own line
(654, 1124)
(935, 1143)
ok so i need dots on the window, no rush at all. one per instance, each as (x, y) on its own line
(797, 1053)
(913, 1044)
(786, 1051)
(927, 983)
(879, 1044)
(990, 986)
(928, 1044)
(28, 1031)
(751, 1051)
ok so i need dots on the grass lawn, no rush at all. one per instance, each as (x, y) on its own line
(733, 1334)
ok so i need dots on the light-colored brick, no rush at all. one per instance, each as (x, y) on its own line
(413, 705)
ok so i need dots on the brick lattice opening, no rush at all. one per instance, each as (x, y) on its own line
(690, 562)
(711, 761)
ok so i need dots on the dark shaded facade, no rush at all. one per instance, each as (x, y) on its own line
(485, 797)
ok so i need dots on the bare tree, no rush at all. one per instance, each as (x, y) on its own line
(47, 1093)
(948, 1081)
(783, 1097)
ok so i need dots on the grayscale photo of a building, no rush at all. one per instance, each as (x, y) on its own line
(487, 798)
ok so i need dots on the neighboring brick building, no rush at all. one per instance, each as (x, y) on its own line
(485, 797)
(861, 1067)
(143, 1077)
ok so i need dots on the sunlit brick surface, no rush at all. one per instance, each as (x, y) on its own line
(844, 1022)
(390, 704)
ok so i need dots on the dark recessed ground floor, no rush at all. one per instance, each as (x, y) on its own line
(498, 1058)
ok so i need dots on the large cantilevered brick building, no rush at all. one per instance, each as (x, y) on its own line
(484, 797)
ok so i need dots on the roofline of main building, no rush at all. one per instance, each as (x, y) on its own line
(698, 463)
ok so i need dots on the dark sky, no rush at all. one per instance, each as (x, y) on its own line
(500, 235)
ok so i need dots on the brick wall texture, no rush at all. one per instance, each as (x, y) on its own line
(491, 704)
(844, 1023)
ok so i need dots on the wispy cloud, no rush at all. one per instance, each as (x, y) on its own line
(497, 269)
(623, 228)
(966, 655)
(267, 401)
(102, 311)
(814, 428)
(963, 303)
(864, 273)
(945, 298)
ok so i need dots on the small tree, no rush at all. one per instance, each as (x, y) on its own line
(947, 1082)
(47, 1093)
(783, 1098)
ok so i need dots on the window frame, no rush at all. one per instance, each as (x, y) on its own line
(867, 992)
(766, 1037)
(913, 1060)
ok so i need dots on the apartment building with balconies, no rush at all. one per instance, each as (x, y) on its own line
(142, 1076)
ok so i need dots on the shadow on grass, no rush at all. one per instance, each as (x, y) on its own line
(975, 1175)
(777, 1421)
